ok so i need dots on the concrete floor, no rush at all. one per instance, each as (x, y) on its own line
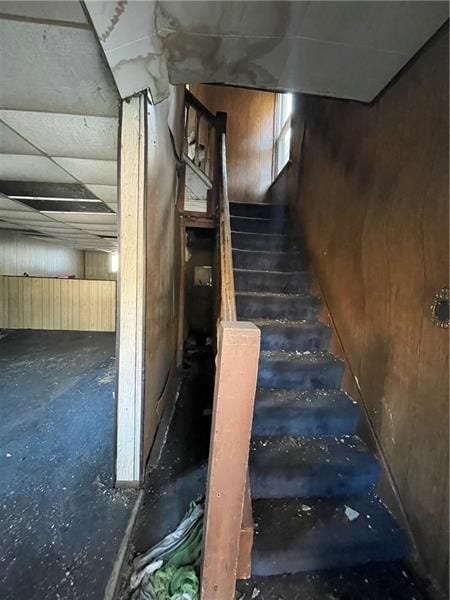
(61, 522)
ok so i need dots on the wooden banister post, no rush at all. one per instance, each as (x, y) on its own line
(234, 395)
(220, 127)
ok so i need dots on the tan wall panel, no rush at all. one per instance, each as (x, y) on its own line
(21, 254)
(373, 202)
(68, 304)
(97, 266)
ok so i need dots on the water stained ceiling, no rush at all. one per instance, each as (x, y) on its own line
(341, 49)
(58, 127)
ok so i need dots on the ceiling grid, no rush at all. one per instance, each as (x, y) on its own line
(58, 127)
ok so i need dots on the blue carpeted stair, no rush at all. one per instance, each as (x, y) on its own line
(307, 464)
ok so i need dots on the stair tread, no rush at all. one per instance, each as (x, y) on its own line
(288, 323)
(263, 233)
(273, 454)
(284, 273)
(296, 535)
(260, 252)
(313, 358)
(277, 295)
(304, 413)
(308, 398)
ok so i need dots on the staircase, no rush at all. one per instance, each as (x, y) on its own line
(312, 478)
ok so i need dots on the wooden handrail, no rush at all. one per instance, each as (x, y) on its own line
(227, 292)
(228, 512)
(191, 100)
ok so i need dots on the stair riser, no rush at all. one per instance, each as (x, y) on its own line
(267, 261)
(312, 339)
(253, 307)
(264, 211)
(325, 556)
(254, 241)
(282, 375)
(257, 226)
(263, 281)
(311, 481)
(304, 422)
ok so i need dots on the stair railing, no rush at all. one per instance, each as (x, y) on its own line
(228, 530)
(228, 534)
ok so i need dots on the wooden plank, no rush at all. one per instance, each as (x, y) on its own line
(234, 394)
(244, 568)
(131, 281)
(181, 290)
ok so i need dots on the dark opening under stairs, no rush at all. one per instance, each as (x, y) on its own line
(312, 478)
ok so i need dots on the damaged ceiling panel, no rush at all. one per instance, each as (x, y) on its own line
(58, 124)
(340, 49)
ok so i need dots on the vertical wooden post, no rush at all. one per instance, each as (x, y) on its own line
(181, 289)
(219, 129)
(234, 394)
(131, 291)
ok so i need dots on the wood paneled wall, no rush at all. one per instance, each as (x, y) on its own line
(21, 254)
(97, 266)
(162, 239)
(373, 202)
(250, 137)
(69, 304)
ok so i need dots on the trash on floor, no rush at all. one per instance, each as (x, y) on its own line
(351, 513)
(169, 570)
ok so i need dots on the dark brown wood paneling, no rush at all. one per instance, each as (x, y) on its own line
(373, 202)
(250, 116)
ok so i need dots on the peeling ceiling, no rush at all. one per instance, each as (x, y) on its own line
(344, 49)
(58, 127)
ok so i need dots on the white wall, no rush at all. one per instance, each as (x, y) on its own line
(21, 254)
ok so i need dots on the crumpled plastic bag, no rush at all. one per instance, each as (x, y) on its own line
(169, 570)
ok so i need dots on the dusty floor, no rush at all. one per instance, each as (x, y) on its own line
(61, 523)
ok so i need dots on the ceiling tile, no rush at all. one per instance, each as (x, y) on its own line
(107, 193)
(102, 172)
(66, 135)
(12, 143)
(61, 70)
(69, 10)
(31, 168)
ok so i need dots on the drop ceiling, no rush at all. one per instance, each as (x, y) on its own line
(58, 127)
(346, 49)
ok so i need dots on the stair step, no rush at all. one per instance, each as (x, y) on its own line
(249, 280)
(258, 225)
(308, 413)
(257, 209)
(261, 241)
(291, 467)
(267, 305)
(302, 336)
(292, 540)
(301, 371)
(391, 580)
(268, 261)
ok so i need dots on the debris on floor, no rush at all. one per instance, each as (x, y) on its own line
(169, 570)
(351, 513)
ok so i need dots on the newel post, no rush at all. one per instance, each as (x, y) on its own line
(234, 395)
